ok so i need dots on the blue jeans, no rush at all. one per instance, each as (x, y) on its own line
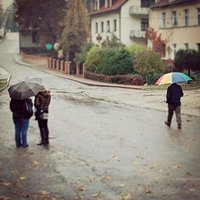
(21, 127)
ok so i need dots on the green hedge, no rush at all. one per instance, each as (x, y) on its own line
(109, 61)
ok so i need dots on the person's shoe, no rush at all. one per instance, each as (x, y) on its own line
(167, 123)
(179, 127)
(40, 143)
(18, 146)
(25, 146)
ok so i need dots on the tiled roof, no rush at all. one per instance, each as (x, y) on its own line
(114, 7)
(164, 3)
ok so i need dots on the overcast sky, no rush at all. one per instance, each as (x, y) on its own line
(6, 3)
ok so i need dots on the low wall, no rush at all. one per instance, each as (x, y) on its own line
(36, 59)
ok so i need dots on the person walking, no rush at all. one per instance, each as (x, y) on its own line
(22, 112)
(174, 94)
(41, 103)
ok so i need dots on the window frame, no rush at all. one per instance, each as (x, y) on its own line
(174, 19)
(96, 27)
(114, 25)
(186, 17)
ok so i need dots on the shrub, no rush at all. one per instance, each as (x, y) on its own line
(80, 58)
(187, 59)
(148, 64)
(134, 50)
(93, 58)
(118, 79)
(114, 62)
(112, 42)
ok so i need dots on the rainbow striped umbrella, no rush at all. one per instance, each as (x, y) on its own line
(173, 77)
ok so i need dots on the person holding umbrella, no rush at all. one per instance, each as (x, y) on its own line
(174, 94)
(22, 112)
(41, 103)
(21, 107)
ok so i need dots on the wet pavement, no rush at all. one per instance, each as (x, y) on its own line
(103, 145)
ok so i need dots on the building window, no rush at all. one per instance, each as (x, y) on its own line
(96, 5)
(108, 26)
(147, 3)
(186, 17)
(96, 27)
(163, 50)
(114, 25)
(163, 20)
(102, 27)
(108, 3)
(174, 49)
(186, 46)
(144, 24)
(174, 19)
(198, 15)
(198, 47)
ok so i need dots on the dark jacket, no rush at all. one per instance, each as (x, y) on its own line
(42, 100)
(18, 108)
(174, 94)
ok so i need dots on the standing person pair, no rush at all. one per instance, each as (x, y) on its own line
(41, 103)
(22, 112)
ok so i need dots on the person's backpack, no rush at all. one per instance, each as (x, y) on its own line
(28, 108)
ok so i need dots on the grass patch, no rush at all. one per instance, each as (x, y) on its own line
(2, 84)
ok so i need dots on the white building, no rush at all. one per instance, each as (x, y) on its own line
(126, 19)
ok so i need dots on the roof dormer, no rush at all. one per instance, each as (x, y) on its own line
(108, 3)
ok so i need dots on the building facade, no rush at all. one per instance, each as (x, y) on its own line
(126, 19)
(178, 22)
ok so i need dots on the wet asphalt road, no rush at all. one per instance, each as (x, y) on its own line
(100, 148)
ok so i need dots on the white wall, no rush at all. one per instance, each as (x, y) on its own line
(104, 18)
(128, 23)
(125, 23)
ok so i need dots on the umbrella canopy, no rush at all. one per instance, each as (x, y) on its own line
(173, 77)
(49, 46)
(25, 89)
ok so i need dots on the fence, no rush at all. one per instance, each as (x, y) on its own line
(62, 66)
(66, 67)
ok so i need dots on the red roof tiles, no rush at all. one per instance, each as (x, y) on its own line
(114, 7)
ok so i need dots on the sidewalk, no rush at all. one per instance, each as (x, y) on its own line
(45, 68)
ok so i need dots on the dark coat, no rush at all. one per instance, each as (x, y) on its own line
(174, 94)
(18, 108)
(42, 100)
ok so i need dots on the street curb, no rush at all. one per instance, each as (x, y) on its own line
(73, 79)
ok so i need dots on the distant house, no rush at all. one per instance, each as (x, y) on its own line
(179, 23)
(126, 19)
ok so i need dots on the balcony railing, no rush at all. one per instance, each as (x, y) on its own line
(138, 11)
(136, 34)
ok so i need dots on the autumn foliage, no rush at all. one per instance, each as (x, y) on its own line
(43, 15)
(156, 40)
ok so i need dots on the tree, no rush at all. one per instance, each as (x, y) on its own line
(44, 15)
(1, 14)
(112, 42)
(187, 59)
(9, 23)
(156, 40)
(75, 32)
(148, 63)
(88, 4)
